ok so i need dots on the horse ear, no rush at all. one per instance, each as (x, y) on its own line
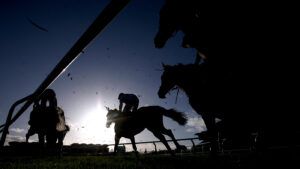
(107, 108)
(165, 66)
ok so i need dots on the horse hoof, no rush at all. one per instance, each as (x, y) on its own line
(182, 147)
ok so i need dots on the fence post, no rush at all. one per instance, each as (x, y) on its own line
(193, 147)
(155, 147)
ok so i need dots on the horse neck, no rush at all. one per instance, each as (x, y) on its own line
(118, 119)
(189, 90)
(189, 83)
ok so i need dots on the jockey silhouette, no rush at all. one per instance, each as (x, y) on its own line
(131, 102)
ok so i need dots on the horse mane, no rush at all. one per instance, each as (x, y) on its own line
(185, 71)
(185, 67)
(116, 110)
(190, 66)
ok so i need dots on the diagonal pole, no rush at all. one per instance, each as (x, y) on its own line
(104, 18)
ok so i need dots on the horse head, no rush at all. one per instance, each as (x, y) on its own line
(182, 16)
(168, 25)
(167, 81)
(111, 116)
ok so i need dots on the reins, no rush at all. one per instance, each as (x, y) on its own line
(176, 88)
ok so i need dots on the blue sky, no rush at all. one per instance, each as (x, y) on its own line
(121, 59)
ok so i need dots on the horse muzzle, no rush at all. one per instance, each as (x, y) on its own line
(108, 124)
(161, 95)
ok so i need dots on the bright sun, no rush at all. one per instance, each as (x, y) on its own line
(92, 128)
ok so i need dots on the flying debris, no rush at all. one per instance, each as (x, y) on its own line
(69, 75)
(36, 25)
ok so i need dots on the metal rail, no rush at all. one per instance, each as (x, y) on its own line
(154, 142)
(147, 142)
(104, 18)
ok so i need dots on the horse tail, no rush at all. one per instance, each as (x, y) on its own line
(177, 116)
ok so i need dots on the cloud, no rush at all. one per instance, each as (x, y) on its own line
(191, 130)
(18, 135)
(10, 138)
(13, 138)
(17, 130)
(196, 124)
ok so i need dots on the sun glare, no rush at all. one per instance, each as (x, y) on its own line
(92, 128)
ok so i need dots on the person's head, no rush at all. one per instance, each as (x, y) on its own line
(49, 93)
(121, 96)
(48, 98)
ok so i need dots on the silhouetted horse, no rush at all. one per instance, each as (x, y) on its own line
(151, 118)
(214, 94)
(50, 123)
(205, 91)
(216, 29)
(186, 16)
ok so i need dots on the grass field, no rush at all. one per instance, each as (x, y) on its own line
(180, 161)
(110, 162)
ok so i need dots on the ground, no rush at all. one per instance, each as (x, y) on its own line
(269, 159)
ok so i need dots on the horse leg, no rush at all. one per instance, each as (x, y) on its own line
(170, 134)
(29, 133)
(51, 139)
(60, 137)
(117, 139)
(41, 139)
(134, 146)
(163, 140)
(212, 131)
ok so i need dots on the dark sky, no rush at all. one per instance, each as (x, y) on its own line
(122, 59)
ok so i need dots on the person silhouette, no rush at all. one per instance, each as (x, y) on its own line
(131, 102)
(43, 115)
(48, 99)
